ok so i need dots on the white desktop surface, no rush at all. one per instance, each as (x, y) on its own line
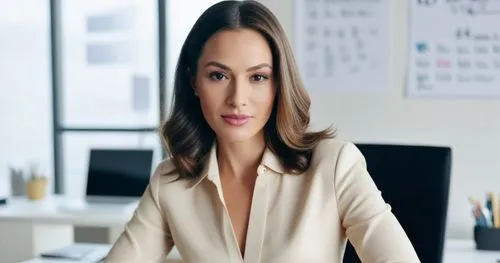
(100, 252)
(48, 224)
(456, 251)
(463, 251)
(61, 210)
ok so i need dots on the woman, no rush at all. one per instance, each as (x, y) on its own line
(247, 181)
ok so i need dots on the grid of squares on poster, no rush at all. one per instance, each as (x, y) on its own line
(342, 44)
(455, 48)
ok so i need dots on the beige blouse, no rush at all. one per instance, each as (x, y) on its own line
(304, 218)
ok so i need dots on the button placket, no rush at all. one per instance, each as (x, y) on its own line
(258, 218)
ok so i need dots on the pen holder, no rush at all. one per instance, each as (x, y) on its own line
(487, 238)
(36, 188)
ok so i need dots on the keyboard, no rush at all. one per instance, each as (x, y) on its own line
(71, 252)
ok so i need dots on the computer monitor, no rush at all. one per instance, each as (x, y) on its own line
(119, 172)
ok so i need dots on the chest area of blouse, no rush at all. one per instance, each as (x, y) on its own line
(292, 219)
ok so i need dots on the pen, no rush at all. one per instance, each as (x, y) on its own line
(479, 213)
(487, 217)
(495, 207)
(489, 206)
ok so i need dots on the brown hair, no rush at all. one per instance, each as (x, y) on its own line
(188, 136)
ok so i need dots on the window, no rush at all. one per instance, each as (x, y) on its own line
(108, 90)
(109, 63)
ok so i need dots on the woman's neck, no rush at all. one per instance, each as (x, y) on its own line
(240, 160)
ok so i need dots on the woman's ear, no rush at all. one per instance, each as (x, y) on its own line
(192, 81)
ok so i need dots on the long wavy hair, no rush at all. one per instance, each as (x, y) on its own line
(187, 135)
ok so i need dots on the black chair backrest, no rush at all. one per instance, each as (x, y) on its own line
(415, 181)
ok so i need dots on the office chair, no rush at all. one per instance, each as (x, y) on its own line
(415, 181)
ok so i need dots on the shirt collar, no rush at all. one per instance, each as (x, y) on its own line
(211, 167)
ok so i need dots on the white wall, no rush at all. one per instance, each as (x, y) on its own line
(25, 97)
(470, 127)
(181, 16)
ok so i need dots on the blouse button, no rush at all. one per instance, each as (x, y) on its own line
(262, 169)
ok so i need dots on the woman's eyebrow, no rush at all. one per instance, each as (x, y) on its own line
(262, 65)
(217, 64)
(224, 67)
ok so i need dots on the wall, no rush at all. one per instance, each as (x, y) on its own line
(471, 127)
(181, 16)
(25, 87)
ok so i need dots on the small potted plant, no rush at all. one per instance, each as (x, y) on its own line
(36, 184)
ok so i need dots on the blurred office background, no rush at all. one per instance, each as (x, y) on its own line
(99, 85)
(114, 68)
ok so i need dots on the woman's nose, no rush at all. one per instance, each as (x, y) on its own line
(238, 94)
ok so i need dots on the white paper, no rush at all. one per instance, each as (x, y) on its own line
(455, 48)
(343, 45)
(111, 39)
(120, 19)
(141, 93)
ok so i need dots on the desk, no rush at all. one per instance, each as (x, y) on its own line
(100, 251)
(456, 251)
(37, 226)
(463, 251)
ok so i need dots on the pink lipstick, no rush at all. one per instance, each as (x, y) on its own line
(236, 119)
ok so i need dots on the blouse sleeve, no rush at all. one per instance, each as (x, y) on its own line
(146, 237)
(369, 223)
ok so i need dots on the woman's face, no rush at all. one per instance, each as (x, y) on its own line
(235, 85)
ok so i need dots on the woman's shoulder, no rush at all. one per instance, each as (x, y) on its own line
(334, 146)
(165, 172)
(336, 151)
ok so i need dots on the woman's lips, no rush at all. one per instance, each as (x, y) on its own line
(235, 119)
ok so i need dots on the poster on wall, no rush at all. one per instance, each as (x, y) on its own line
(343, 45)
(454, 48)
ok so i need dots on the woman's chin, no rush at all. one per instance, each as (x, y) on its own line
(236, 136)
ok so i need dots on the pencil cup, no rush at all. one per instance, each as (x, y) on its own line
(36, 188)
(487, 238)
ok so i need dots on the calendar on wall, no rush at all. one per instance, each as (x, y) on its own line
(343, 45)
(454, 48)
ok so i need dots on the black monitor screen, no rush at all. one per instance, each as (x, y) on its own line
(119, 172)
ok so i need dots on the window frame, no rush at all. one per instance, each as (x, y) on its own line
(58, 129)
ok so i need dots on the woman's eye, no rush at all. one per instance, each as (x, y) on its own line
(259, 78)
(217, 76)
